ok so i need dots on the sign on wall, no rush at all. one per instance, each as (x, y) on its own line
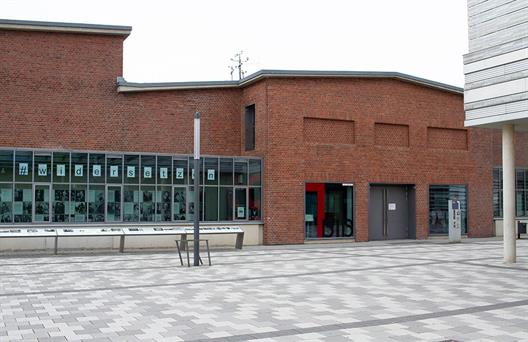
(42, 170)
(79, 170)
(114, 171)
(61, 170)
(147, 172)
(96, 170)
(131, 171)
(179, 173)
(211, 175)
(23, 169)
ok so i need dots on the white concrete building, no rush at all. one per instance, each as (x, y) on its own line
(496, 89)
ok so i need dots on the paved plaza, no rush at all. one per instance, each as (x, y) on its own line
(406, 291)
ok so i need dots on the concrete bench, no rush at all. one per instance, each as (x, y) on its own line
(121, 231)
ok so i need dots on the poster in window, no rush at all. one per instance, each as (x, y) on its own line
(147, 172)
(79, 170)
(42, 170)
(23, 169)
(211, 174)
(61, 170)
(96, 170)
(164, 172)
(179, 173)
(241, 212)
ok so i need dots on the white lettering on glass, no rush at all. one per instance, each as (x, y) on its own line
(131, 171)
(79, 171)
(179, 173)
(61, 170)
(114, 171)
(164, 172)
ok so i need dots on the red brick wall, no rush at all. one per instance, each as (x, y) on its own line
(59, 91)
(292, 161)
(391, 135)
(448, 138)
(69, 80)
(326, 131)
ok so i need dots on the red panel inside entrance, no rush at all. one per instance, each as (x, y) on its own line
(319, 188)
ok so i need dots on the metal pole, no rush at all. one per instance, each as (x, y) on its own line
(197, 189)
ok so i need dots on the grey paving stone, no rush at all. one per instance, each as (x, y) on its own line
(417, 291)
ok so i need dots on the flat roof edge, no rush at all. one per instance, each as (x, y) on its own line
(45, 26)
(124, 86)
(128, 87)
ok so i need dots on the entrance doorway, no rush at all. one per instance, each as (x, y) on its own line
(328, 211)
(392, 212)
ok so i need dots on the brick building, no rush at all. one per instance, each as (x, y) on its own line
(288, 155)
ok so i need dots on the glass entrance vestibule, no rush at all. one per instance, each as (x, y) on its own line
(328, 210)
(82, 187)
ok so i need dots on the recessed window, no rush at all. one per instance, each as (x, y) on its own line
(250, 127)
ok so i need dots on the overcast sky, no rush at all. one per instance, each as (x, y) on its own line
(194, 40)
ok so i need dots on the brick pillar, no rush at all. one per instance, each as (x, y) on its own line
(361, 206)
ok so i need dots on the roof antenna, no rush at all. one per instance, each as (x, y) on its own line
(239, 64)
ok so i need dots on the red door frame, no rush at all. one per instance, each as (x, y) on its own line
(319, 188)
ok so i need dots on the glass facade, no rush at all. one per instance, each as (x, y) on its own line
(521, 193)
(329, 210)
(439, 195)
(80, 187)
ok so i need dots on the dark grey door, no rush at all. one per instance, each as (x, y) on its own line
(388, 212)
(397, 213)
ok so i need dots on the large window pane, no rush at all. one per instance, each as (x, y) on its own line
(61, 167)
(60, 198)
(148, 169)
(6, 202)
(78, 212)
(255, 172)
(226, 171)
(79, 167)
(114, 169)
(255, 206)
(180, 171)
(164, 172)
(113, 203)
(211, 203)
(23, 166)
(191, 208)
(226, 204)
(131, 203)
(42, 203)
(147, 206)
(240, 204)
(42, 167)
(241, 171)
(439, 195)
(6, 166)
(131, 169)
(211, 171)
(97, 168)
(179, 208)
(23, 202)
(520, 203)
(163, 204)
(96, 203)
(520, 179)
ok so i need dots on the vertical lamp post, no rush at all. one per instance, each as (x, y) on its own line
(197, 189)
